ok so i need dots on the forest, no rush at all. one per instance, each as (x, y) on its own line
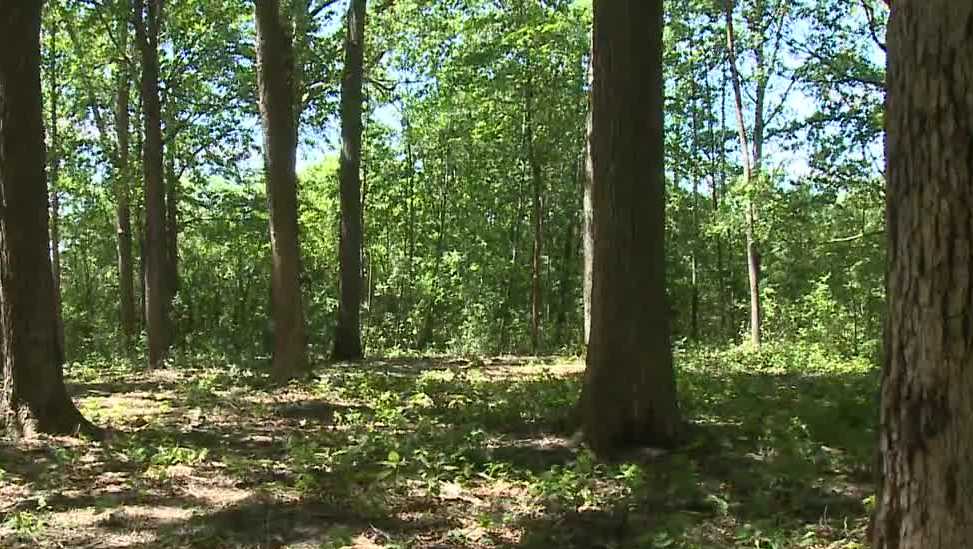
(478, 274)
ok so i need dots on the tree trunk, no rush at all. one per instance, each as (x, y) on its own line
(694, 174)
(587, 219)
(54, 157)
(629, 395)
(347, 342)
(924, 500)
(33, 397)
(537, 211)
(719, 187)
(753, 255)
(148, 18)
(123, 210)
(275, 73)
(172, 236)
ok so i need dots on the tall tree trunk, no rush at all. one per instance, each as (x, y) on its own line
(148, 18)
(123, 209)
(172, 232)
(753, 255)
(537, 211)
(54, 157)
(275, 73)
(694, 174)
(425, 335)
(719, 186)
(629, 394)
(34, 398)
(587, 218)
(347, 342)
(924, 500)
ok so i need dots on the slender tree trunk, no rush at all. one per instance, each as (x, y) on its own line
(587, 219)
(924, 500)
(694, 174)
(123, 210)
(276, 65)
(537, 212)
(753, 255)
(718, 190)
(426, 331)
(629, 394)
(34, 398)
(54, 157)
(148, 18)
(172, 236)
(347, 343)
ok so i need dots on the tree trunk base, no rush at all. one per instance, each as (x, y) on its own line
(61, 417)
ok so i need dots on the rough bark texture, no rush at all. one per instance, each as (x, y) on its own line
(347, 342)
(33, 397)
(275, 70)
(925, 500)
(123, 209)
(629, 396)
(148, 19)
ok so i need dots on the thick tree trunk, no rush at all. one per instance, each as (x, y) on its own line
(347, 342)
(148, 18)
(924, 500)
(629, 395)
(123, 209)
(33, 397)
(275, 73)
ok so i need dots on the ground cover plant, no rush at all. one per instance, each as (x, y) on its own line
(486, 273)
(448, 452)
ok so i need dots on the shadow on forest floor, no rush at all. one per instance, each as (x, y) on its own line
(442, 453)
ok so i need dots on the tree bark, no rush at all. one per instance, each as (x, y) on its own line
(33, 398)
(537, 215)
(629, 394)
(54, 157)
(694, 174)
(587, 219)
(753, 254)
(347, 342)
(275, 74)
(172, 283)
(148, 18)
(924, 500)
(123, 209)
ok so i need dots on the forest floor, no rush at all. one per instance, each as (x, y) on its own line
(444, 453)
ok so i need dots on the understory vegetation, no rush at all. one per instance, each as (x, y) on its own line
(427, 452)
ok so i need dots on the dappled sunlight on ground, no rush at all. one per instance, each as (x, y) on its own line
(440, 453)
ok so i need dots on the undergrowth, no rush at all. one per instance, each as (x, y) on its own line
(441, 452)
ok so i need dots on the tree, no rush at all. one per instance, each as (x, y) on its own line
(927, 376)
(148, 20)
(347, 342)
(114, 142)
(33, 398)
(54, 158)
(275, 78)
(629, 395)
